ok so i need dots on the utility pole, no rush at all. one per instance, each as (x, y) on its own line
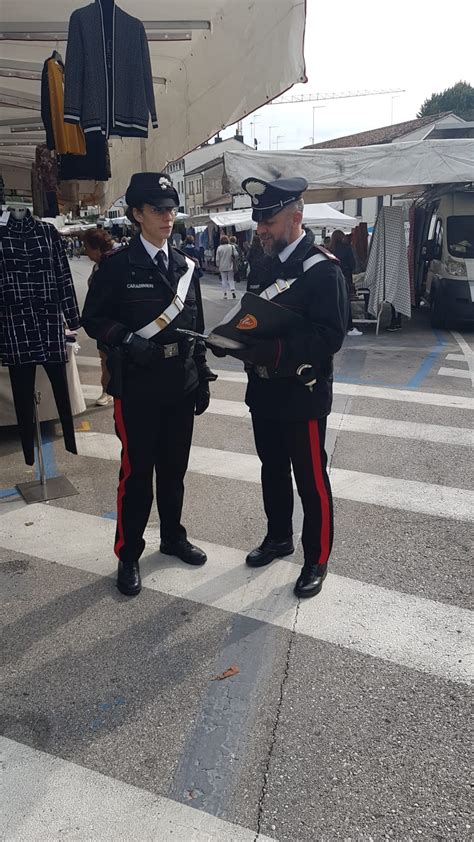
(270, 135)
(314, 109)
(279, 137)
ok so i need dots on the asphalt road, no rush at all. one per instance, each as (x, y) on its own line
(348, 716)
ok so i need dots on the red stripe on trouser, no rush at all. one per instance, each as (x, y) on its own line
(125, 471)
(314, 442)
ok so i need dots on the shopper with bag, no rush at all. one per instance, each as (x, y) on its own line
(225, 256)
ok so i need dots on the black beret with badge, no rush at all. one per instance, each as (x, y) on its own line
(270, 197)
(151, 188)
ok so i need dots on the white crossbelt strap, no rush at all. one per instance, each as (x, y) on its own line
(281, 286)
(173, 309)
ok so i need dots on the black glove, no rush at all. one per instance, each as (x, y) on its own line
(205, 373)
(265, 352)
(203, 396)
(218, 352)
(140, 351)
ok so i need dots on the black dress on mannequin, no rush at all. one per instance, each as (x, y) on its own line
(37, 297)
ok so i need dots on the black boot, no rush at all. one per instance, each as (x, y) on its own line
(268, 551)
(310, 580)
(184, 550)
(128, 578)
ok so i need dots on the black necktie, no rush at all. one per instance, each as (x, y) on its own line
(160, 262)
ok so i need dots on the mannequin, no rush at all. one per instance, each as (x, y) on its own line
(36, 297)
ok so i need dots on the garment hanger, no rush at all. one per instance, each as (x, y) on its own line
(57, 57)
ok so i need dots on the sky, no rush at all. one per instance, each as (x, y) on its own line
(417, 46)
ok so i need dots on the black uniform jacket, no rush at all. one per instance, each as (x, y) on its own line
(319, 296)
(127, 292)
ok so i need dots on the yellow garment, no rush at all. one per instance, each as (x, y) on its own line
(67, 138)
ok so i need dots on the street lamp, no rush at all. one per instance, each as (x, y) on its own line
(279, 137)
(270, 135)
(252, 124)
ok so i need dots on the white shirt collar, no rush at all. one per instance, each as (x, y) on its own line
(284, 255)
(153, 250)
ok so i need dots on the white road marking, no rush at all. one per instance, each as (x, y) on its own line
(459, 358)
(343, 422)
(378, 392)
(397, 627)
(467, 351)
(455, 372)
(48, 798)
(406, 495)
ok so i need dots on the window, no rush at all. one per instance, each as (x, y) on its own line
(379, 203)
(358, 207)
(461, 236)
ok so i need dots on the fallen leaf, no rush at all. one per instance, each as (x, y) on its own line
(233, 670)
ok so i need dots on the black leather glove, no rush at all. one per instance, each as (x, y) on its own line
(203, 396)
(205, 373)
(140, 351)
(218, 352)
(265, 352)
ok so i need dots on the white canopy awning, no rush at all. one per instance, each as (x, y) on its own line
(335, 174)
(212, 62)
(318, 216)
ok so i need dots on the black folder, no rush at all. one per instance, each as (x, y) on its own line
(253, 318)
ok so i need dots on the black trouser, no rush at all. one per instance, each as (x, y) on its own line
(154, 438)
(282, 445)
(22, 378)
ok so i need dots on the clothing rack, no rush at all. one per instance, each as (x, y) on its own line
(44, 488)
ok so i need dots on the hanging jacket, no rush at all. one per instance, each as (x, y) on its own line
(108, 91)
(60, 136)
(37, 293)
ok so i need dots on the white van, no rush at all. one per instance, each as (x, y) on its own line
(444, 256)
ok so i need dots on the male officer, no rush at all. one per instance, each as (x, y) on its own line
(137, 298)
(290, 378)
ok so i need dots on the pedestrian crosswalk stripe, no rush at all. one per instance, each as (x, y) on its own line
(455, 372)
(460, 436)
(398, 627)
(378, 392)
(46, 798)
(406, 495)
(459, 358)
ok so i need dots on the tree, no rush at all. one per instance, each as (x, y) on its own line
(459, 98)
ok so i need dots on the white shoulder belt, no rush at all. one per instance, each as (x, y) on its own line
(173, 309)
(281, 286)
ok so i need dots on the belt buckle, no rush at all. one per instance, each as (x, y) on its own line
(171, 350)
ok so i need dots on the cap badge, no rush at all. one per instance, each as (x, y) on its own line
(165, 183)
(248, 322)
(255, 188)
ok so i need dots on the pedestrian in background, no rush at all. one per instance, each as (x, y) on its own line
(236, 259)
(343, 251)
(225, 265)
(190, 249)
(97, 243)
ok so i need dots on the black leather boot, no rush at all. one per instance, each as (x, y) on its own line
(184, 550)
(268, 551)
(310, 580)
(128, 578)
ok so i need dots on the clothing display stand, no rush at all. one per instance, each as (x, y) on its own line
(42, 489)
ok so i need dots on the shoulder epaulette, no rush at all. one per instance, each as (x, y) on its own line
(112, 252)
(327, 253)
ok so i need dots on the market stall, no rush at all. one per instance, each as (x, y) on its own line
(314, 215)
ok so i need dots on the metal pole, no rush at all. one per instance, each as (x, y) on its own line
(270, 135)
(39, 440)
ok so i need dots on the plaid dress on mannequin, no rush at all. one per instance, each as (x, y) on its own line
(37, 296)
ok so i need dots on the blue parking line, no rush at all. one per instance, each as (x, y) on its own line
(428, 363)
(8, 492)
